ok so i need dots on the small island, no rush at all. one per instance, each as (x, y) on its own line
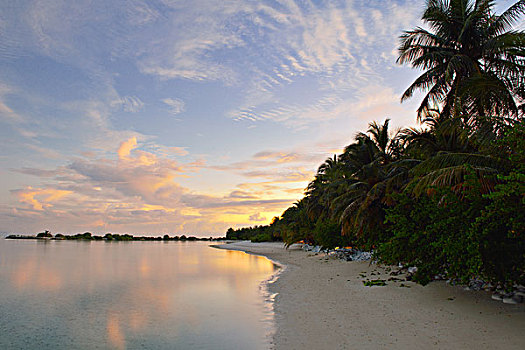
(88, 236)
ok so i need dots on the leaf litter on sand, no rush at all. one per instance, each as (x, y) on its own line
(372, 283)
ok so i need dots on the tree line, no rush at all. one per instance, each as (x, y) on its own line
(448, 196)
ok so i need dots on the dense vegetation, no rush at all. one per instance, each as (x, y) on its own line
(447, 197)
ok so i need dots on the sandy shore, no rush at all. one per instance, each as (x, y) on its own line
(323, 304)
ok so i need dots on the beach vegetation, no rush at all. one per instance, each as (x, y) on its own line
(377, 282)
(448, 196)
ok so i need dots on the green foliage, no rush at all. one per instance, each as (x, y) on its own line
(501, 225)
(372, 283)
(434, 233)
(262, 233)
(449, 197)
(327, 233)
(472, 59)
(262, 237)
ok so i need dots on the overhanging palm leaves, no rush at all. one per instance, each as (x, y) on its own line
(467, 46)
(450, 170)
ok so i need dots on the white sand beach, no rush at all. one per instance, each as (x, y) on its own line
(323, 304)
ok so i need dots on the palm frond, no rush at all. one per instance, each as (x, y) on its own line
(507, 19)
(452, 177)
(447, 160)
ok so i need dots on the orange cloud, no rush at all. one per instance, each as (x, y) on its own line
(126, 147)
(138, 193)
(180, 151)
(39, 198)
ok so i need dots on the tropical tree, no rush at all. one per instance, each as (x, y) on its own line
(321, 188)
(295, 224)
(371, 163)
(447, 197)
(473, 63)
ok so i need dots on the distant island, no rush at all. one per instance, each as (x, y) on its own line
(88, 236)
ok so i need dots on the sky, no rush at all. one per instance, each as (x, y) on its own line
(186, 117)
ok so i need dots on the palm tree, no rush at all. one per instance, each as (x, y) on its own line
(474, 63)
(295, 224)
(439, 135)
(319, 191)
(371, 164)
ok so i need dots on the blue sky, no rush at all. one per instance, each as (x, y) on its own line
(186, 116)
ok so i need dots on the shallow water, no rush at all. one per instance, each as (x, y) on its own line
(134, 295)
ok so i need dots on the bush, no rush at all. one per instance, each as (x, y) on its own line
(435, 234)
(327, 233)
(501, 225)
(262, 237)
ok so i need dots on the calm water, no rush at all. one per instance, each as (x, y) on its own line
(134, 295)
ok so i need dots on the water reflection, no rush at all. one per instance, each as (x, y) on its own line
(115, 336)
(153, 294)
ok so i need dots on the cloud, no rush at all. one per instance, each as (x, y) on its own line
(242, 195)
(131, 104)
(180, 151)
(136, 173)
(126, 147)
(282, 157)
(42, 151)
(210, 202)
(176, 106)
(270, 159)
(42, 173)
(257, 217)
(305, 65)
(295, 175)
(293, 40)
(6, 113)
(38, 198)
(279, 157)
(368, 102)
(137, 191)
(195, 30)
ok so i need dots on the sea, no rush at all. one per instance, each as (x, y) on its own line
(132, 295)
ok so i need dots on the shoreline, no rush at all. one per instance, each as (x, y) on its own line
(322, 302)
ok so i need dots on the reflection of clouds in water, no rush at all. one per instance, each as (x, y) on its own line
(115, 336)
(30, 275)
(144, 267)
(137, 321)
(163, 292)
(235, 262)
